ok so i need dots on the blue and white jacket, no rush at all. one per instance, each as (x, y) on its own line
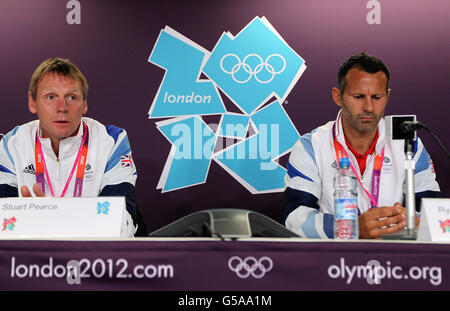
(307, 205)
(109, 169)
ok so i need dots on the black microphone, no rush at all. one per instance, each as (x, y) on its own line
(408, 127)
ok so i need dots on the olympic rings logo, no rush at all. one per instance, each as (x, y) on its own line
(252, 72)
(250, 266)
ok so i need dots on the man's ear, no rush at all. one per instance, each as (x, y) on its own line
(388, 93)
(85, 109)
(336, 93)
(31, 104)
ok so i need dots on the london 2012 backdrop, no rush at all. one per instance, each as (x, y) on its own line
(213, 94)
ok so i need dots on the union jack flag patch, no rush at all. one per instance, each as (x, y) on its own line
(126, 160)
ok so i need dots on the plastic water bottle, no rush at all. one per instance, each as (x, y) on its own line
(345, 203)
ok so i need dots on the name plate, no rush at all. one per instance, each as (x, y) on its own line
(61, 217)
(434, 220)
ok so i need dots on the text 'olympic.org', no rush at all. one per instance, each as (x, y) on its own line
(374, 272)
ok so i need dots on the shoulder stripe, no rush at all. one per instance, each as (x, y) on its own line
(123, 149)
(423, 162)
(293, 172)
(306, 142)
(113, 131)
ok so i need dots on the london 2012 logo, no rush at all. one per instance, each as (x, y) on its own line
(9, 223)
(255, 70)
(445, 225)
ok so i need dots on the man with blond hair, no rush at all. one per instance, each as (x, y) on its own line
(45, 157)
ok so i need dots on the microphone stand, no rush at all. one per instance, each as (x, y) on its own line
(410, 232)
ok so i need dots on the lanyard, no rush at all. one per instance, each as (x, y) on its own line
(80, 164)
(378, 163)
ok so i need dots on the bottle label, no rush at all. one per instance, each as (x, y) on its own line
(346, 208)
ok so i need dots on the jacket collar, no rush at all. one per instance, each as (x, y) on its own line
(67, 146)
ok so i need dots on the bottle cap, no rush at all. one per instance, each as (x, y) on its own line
(344, 163)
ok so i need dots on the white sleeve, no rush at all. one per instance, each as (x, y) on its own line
(303, 190)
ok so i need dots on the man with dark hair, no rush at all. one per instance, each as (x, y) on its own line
(63, 154)
(364, 62)
(358, 132)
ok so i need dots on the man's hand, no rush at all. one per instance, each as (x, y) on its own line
(382, 220)
(36, 189)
